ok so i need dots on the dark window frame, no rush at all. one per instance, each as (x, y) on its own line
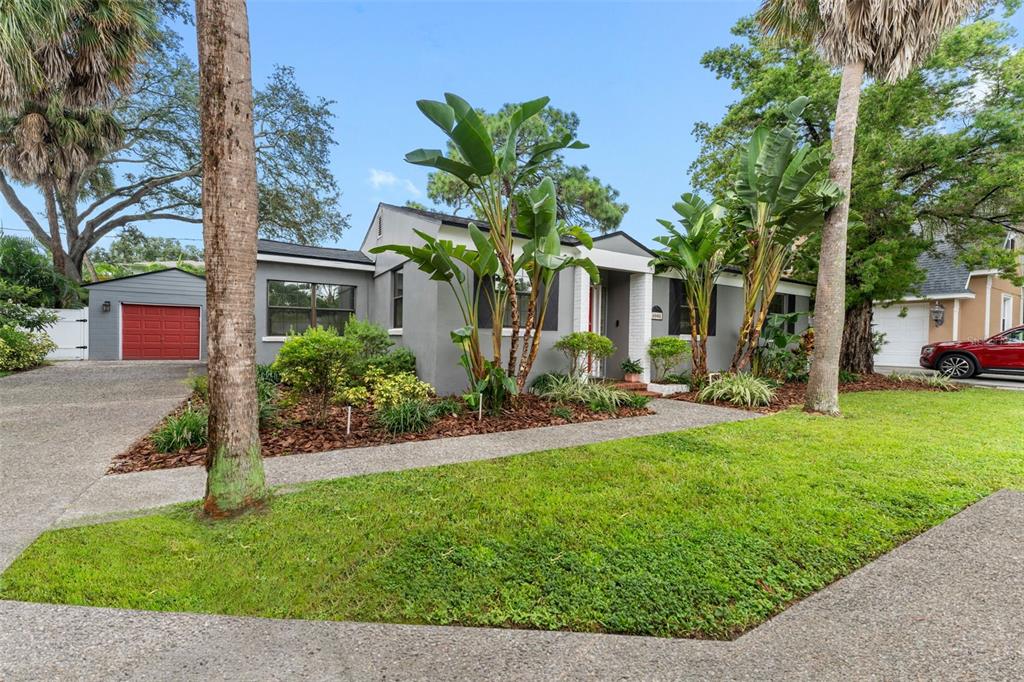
(397, 299)
(788, 304)
(550, 322)
(679, 313)
(312, 309)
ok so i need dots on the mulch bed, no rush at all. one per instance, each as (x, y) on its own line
(793, 393)
(296, 432)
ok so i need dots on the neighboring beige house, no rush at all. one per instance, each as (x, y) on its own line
(954, 304)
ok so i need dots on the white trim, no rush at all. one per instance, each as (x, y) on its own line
(274, 339)
(988, 306)
(1003, 307)
(967, 295)
(120, 316)
(956, 319)
(315, 262)
(395, 331)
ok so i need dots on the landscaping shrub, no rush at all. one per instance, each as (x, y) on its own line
(374, 349)
(266, 393)
(738, 389)
(372, 339)
(543, 381)
(636, 401)
(180, 431)
(940, 381)
(447, 406)
(631, 366)
(562, 412)
(578, 346)
(268, 374)
(678, 378)
(496, 387)
(400, 359)
(848, 377)
(356, 396)
(410, 416)
(665, 353)
(199, 384)
(23, 349)
(391, 390)
(313, 362)
(596, 396)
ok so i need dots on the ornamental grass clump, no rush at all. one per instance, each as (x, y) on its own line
(181, 431)
(597, 396)
(410, 416)
(744, 390)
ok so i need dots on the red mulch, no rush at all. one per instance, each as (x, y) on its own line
(297, 433)
(792, 393)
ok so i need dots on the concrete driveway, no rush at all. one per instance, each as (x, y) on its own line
(1009, 382)
(61, 425)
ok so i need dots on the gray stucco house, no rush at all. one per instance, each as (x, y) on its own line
(297, 286)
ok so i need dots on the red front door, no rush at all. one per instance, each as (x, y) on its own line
(159, 332)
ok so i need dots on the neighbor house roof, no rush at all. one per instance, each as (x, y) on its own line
(142, 274)
(276, 248)
(944, 274)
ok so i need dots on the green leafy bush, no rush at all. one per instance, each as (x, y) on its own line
(848, 377)
(355, 396)
(543, 381)
(268, 374)
(739, 389)
(199, 384)
(665, 353)
(313, 362)
(496, 388)
(636, 401)
(266, 393)
(410, 416)
(23, 349)
(374, 349)
(632, 366)
(678, 378)
(400, 359)
(180, 431)
(372, 339)
(394, 389)
(578, 346)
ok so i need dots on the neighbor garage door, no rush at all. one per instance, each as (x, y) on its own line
(904, 335)
(159, 332)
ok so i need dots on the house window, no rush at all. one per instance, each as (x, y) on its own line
(1011, 240)
(550, 320)
(296, 306)
(1006, 315)
(396, 299)
(679, 322)
(783, 304)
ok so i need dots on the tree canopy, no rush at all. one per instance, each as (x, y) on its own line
(939, 155)
(132, 245)
(141, 162)
(583, 199)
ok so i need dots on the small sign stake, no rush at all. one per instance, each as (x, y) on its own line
(348, 423)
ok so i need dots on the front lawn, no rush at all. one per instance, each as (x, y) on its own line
(700, 533)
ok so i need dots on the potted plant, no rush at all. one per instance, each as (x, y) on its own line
(633, 370)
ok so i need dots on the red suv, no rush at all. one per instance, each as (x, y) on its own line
(1000, 354)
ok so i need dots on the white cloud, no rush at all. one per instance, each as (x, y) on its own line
(380, 179)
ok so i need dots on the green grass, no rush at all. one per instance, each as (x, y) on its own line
(699, 533)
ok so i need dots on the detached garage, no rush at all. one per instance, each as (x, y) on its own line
(157, 315)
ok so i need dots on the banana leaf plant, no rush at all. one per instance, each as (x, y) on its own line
(444, 261)
(493, 175)
(698, 254)
(780, 195)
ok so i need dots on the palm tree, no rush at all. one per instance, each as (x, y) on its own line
(234, 465)
(698, 254)
(885, 39)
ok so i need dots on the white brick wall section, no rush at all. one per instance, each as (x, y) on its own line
(580, 300)
(641, 298)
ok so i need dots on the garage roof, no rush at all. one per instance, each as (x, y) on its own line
(945, 275)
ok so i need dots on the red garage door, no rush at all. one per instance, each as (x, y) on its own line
(159, 332)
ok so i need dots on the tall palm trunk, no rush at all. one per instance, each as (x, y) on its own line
(830, 297)
(234, 478)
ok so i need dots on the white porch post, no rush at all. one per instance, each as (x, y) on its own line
(641, 297)
(580, 299)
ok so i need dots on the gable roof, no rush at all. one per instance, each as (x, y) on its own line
(943, 273)
(276, 248)
(143, 274)
(463, 222)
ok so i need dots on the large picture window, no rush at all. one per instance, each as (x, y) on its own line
(296, 306)
(550, 320)
(783, 304)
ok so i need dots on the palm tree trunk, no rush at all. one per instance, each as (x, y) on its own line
(234, 466)
(830, 298)
(858, 354)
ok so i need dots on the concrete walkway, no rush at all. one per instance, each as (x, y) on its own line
(59, 427)
(122, 495)
(949, 604)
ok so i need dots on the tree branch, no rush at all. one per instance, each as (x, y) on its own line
(22, 210)
(133, 192)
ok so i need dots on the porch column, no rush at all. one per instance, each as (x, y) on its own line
(580, 300)
(641, 297)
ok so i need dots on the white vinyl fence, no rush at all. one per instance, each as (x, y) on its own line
(71, 334)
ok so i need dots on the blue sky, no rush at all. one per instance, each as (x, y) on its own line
(631, 70)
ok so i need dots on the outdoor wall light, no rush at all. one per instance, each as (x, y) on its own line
(938, 313)
(106, 306)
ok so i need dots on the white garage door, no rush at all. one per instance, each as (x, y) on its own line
(904, 336)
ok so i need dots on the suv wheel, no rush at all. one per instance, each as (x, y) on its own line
(957, 366)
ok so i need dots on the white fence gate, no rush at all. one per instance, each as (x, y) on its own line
(71, 334)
